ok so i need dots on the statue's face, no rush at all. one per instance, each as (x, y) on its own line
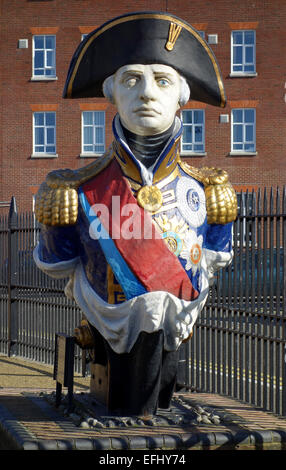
(147, 97)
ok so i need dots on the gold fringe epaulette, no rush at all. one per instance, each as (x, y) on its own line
(221, 200)
(57, 198)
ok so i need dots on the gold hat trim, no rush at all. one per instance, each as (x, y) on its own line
(177, 22)
(174, 32)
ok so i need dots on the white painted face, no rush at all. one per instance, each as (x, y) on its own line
(147, 97)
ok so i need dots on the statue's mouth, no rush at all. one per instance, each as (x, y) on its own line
(146, 111)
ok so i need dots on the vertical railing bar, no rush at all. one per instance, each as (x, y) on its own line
(277, 307)
(258, 322)
(271, 303)
(208, 343)
(283, 385)
(247, 318)
(224, 352)
(235, 314)
(236, 301)
(283, 305)
(265, 319)
(230, 337)
(12, 301)
(241, 303)
(253, 340)
(192, 358)
(213, 356)
(216, 335)
(202, 350)
(199, 364)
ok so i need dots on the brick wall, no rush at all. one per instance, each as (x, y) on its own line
(20, 174)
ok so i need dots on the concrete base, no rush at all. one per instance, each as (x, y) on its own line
(29, 421)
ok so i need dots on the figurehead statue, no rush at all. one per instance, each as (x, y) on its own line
(139, 233)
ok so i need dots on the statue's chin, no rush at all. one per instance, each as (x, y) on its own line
(147, 125)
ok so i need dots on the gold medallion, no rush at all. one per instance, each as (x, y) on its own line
(150, 198)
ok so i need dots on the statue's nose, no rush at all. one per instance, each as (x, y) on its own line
(147, 89)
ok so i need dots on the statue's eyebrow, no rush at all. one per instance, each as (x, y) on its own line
(128, 72)
(162, 74)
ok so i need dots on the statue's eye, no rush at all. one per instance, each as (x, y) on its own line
(131, 81)
(162, 82)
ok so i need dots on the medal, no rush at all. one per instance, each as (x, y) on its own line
(173, 241)
(150, 198)
(191, 201)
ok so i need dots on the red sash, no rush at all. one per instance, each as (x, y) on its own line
(157, 268)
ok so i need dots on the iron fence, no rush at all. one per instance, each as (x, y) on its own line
(33, 307)
(238, 344)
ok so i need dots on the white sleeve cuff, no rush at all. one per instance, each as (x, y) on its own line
(58, 270)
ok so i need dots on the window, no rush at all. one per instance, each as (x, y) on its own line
(93, 132)
(44, 56)
(44, 134)
(243, 52)
(193, 139)
(243, 130)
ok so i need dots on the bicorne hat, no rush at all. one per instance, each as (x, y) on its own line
(145, 38)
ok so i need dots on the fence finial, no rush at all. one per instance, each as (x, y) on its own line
(13, 206)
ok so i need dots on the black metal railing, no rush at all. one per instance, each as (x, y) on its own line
(33, 306)
(238, 344)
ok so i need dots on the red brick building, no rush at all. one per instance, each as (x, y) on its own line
(40, 131)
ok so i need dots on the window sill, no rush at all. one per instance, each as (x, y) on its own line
(44, 155)
(43, 79)
(91, 155)
(242, 153)
(193, 154)
(242, 75)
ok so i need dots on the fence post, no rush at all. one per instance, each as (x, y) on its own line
(12, 275)
(284, 301)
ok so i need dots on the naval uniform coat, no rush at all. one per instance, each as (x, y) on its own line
(160, 285)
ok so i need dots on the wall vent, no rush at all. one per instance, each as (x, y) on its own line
(212, 39)
(23, 44)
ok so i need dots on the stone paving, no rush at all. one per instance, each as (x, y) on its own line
(29, 421)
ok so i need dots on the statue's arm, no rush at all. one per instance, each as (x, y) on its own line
(57, 209)
(56, 253)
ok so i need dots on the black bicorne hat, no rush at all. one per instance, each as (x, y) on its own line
(145, 38)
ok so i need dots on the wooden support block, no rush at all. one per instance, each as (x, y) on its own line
(99, 383)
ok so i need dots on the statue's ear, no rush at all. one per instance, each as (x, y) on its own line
(107, 88)
(185, 92)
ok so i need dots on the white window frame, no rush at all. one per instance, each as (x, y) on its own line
(45, 152)
(45, 75)
(244, 64)
(93, 152)
(192, 150)
(244, 142)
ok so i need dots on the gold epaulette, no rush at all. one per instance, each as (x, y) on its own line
(221, 200)
(57, 198)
